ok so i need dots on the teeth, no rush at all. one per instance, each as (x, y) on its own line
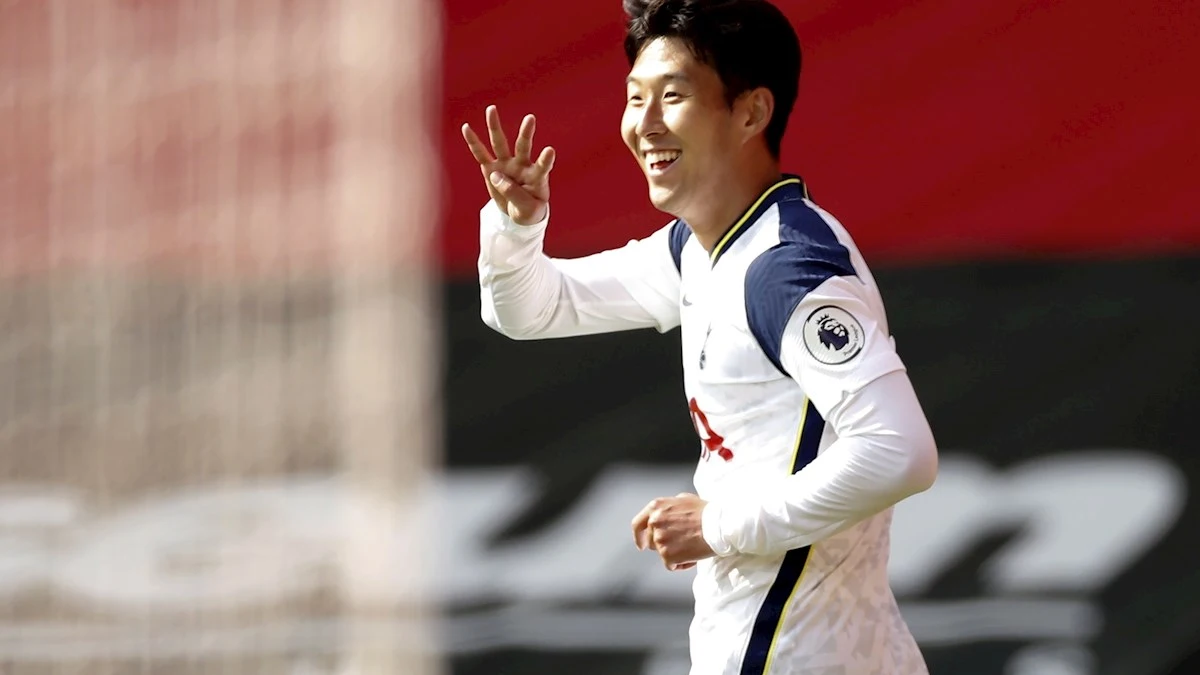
(656, 156)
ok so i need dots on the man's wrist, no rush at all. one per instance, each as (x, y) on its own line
(504, 224)
(711, 529)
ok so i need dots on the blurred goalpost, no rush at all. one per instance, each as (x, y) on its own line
(218, 406)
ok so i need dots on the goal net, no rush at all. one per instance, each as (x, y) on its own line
(217, 354)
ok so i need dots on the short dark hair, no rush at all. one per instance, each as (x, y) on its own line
(750, 43)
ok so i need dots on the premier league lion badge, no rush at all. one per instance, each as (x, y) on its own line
(833, 336)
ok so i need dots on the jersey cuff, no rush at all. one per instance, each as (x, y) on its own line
(501, 222)
(710, 528)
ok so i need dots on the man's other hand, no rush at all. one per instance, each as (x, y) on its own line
(671, 526)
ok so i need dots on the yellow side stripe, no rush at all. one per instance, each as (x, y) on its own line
(799, 434)
(764, 636)
(800, 580)
(783, 615)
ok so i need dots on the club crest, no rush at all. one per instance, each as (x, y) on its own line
(832, 335)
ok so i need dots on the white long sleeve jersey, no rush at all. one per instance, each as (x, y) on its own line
(809, 427)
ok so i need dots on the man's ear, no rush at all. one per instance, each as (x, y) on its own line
(756, 107)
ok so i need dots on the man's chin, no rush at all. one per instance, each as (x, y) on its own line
(662, 198)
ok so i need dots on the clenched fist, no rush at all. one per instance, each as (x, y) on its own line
(671, 526)
(518, 185)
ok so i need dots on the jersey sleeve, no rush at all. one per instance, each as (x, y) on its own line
(884, 453)
(526, 294)
(819, 323)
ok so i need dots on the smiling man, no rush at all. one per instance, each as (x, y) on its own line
(809, 427)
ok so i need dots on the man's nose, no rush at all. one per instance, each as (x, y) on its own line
(651, 124)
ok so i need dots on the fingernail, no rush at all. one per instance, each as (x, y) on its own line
(497, 179)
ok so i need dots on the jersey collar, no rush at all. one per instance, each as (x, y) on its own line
(788, 186)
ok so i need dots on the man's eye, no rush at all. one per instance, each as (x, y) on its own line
(634, 98)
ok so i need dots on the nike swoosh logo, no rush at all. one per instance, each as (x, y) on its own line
(686, 302)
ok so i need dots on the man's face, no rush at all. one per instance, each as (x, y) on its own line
(678, 126)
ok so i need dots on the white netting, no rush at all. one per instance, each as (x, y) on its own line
(216, 353)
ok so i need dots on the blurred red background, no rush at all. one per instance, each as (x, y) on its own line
(935, 130)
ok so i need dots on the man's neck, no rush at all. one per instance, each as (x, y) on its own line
(724, 208)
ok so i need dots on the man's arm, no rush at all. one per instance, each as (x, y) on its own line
(884, 450)
(834, 345)
(525, 294)
(884, 453)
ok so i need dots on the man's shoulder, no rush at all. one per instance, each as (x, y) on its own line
(799, 253)
(801, 250)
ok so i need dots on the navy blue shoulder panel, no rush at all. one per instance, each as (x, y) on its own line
(678, 237)
(807, 255)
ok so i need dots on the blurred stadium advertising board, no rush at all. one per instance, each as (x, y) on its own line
(1056, 540)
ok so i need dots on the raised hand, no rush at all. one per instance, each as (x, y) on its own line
(519, 185)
